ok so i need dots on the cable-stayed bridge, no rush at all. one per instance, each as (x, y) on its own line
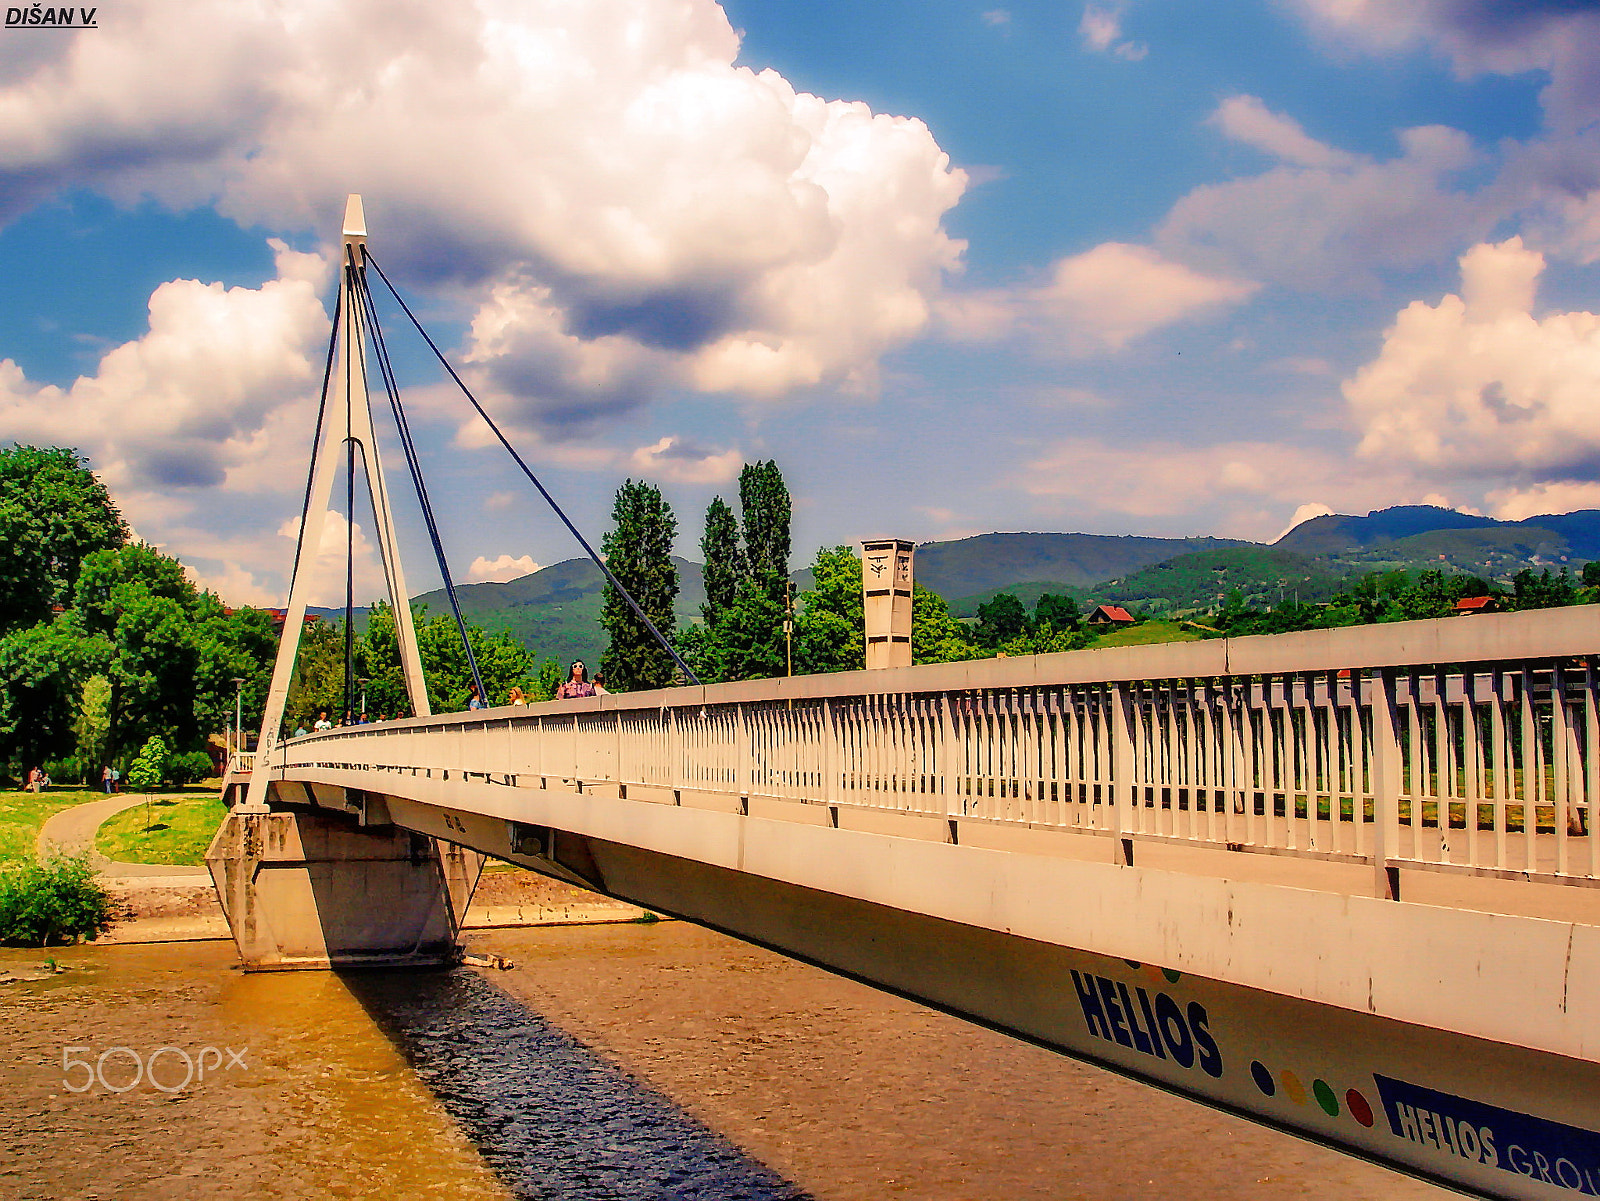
(1343, 882)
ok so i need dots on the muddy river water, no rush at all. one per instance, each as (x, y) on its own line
(621, 1061)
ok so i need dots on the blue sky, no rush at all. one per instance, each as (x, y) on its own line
(1150, 267)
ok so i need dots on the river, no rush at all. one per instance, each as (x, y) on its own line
(621, 1061)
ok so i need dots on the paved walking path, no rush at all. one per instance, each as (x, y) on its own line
(72, 831)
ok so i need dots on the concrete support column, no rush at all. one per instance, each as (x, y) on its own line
(305, 889)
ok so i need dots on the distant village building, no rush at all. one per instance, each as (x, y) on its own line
(279, 616)
(1109, 615)
(1474, 604)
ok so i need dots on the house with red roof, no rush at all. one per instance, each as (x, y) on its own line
(1474, 604)
(1109, 615)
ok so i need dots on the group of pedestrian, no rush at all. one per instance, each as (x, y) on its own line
(110, 779)
(578, 684)
(38, 780)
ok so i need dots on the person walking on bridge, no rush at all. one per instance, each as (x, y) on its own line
(577, 684)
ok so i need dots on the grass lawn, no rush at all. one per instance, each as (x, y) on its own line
(1147, 632)
(22, 813)
(181, 827)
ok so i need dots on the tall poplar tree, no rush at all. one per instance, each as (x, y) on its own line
(638, 551)
(745, 585)
(764, 500)
(724, 560)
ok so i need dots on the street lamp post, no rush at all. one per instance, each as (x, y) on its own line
(238, 715)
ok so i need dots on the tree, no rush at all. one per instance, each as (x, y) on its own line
(829, 632)
(1058, 613)
(544, 688)
(764, 503)
(317, 685)
(724, 560)
(147, 771)
(749, 635)
(139, 601)
(42, 674)
(936, 637)
(638, 551)
(1001, 620)
(503, 663)
(93, 726)
(746, 641)
(53, 513)
(1542, 591)
(239, 645)
(149, 767)
(701, 650)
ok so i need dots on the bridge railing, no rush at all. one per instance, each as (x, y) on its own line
(1468, 744)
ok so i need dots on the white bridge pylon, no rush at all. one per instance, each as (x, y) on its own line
(347, 434)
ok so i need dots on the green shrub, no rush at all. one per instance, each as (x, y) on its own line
(71, 770)
(189, 767)
(52, 902)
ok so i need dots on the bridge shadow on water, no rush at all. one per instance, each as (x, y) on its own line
(555, 1120)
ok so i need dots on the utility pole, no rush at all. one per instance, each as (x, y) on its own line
(788, 626)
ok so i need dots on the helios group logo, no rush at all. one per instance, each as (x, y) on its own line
(40, 17)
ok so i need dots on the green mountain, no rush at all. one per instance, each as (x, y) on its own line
(556, 610)
(1414, 536)
(991, 563)
(1336, 533)
(1263, 575)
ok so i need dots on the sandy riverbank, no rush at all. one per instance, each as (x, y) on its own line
(154, 909)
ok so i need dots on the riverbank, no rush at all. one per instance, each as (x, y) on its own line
(168, 908)
(175, 901)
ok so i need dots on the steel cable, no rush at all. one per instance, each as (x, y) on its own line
(533, 479)
(414, 466)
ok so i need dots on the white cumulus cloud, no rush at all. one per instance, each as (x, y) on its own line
(1515, 504)
(680, 462)
(622, 206)
(500, 569)
(1325, 218)
(1552, 179)
(1477, 383)
(1096, 301)
(324, 581)
(208, 395)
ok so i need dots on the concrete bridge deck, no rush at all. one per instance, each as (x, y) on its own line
(1239, 870)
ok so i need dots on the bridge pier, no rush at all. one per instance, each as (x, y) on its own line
(305, 888)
